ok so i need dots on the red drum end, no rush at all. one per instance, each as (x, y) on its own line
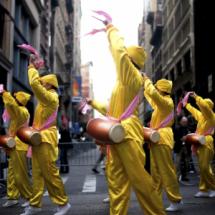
(117, 133)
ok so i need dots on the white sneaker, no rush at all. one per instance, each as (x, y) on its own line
(25, 204)
(31, 210)
(175, 206)
(10, 203)
(61, 210)
(106, 200)
(212, 194)
(201, 194)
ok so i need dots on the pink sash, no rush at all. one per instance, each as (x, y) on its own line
(166, 121)
(45, 125)
(127, 113)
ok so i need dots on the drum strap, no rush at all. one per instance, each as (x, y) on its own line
(127, 113)
(210, 131)
(49, 122)
(166, 121)
(129, 110)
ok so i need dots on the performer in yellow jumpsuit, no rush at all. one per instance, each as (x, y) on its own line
(205, 153)
(45, 154)
(125, 166)
(18, 181)
(162, 166)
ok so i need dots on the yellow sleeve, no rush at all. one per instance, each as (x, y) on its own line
(126, 71)
(10, 104)
(203, 106)
(100, 107)
(154, 95)
(149, 99)
(44, 96)
(195, 113)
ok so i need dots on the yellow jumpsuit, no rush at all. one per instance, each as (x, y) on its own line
(206, 119)
(45, 155)
(126, 160)
(162, 167)
(18, 181)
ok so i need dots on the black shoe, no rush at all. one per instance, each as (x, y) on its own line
(95, 170)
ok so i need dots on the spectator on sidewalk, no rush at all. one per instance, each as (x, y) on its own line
(182, 150)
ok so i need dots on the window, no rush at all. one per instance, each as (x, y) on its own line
(187, 61)
(172, 74)
(2, 20)
(178, 40)
(16, 60)
(171, 26)
(24, 33)
(179, 68)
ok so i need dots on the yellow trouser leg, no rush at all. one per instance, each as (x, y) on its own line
(132, 159)
(22, 180)
(163, 172)
(207, 179)
(12, 191)
(38, 182)
(49, 173)
(118, 185)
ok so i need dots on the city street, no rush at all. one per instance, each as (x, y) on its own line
(87, 190)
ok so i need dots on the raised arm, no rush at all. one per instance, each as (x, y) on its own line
(125, 69)
(11, 104)
(43, 95)
(100, 107)
(195, 112)
(154, 95)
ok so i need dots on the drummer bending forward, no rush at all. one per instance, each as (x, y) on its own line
(205, 153)
(45, 155)
(126, 160)
(18, 181)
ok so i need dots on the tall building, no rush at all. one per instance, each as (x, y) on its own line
(173, 51)
(20, 23)
(45, 33)
(178, 62)
(73, 53)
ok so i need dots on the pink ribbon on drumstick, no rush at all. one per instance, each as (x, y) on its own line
(107, 18)
(38, 62)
